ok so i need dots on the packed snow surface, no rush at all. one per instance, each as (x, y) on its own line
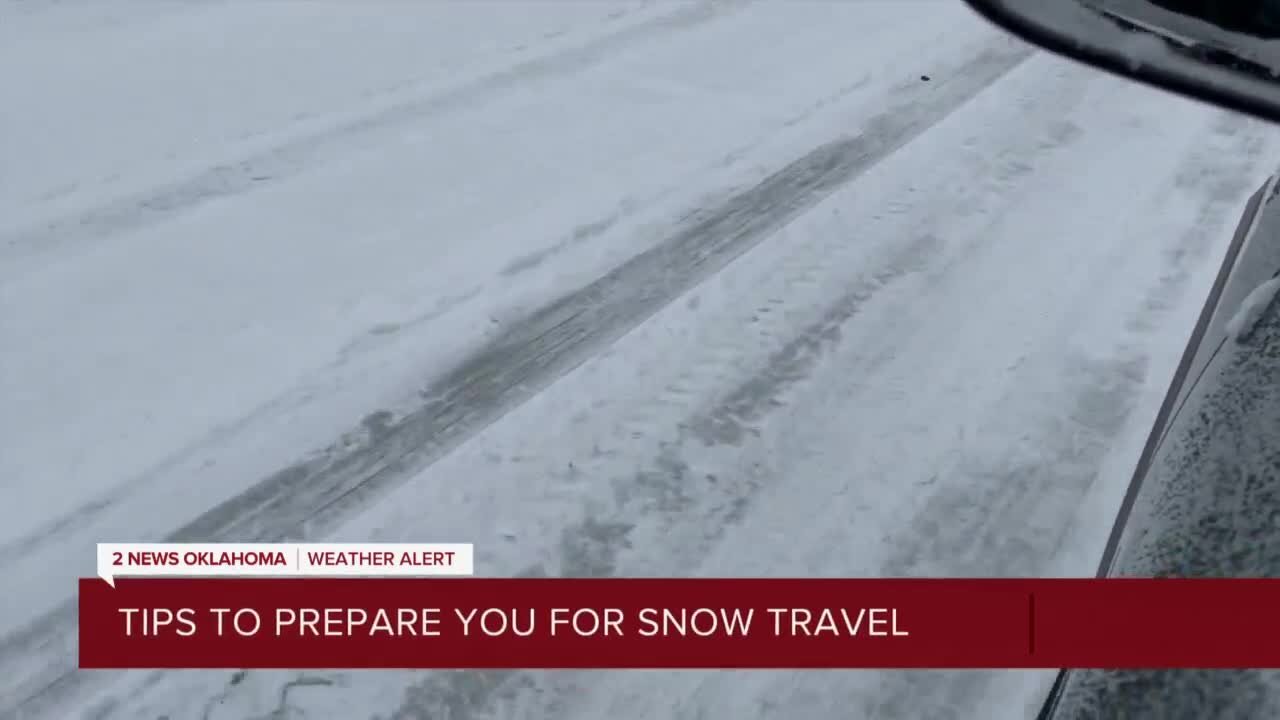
(605, 288)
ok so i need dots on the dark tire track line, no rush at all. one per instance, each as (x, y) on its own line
(311, 497)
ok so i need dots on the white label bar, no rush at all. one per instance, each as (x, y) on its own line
(283, 560)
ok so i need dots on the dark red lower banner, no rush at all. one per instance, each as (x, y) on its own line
(678, 623)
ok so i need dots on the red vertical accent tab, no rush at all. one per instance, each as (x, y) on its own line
(1031, 623)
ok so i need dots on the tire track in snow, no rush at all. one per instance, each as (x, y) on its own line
(90, 510)
(292, 157)
(311, 497)
(694, 509)
(667, 508)
(734, 419)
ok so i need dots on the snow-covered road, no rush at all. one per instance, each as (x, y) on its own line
(606, 288)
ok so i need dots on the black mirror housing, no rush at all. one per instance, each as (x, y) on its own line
(1185, 46)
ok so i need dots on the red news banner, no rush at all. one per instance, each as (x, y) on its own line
(296, 615)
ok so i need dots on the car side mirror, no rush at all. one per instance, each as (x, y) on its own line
(1226, 52)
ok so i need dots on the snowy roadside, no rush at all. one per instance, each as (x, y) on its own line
(356, 328)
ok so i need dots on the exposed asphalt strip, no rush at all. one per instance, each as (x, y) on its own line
(310, 498)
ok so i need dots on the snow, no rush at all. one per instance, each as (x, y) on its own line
(716, 274)
(289, 315)
(1255, 303)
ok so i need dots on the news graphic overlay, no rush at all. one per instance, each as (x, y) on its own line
(392, 606)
